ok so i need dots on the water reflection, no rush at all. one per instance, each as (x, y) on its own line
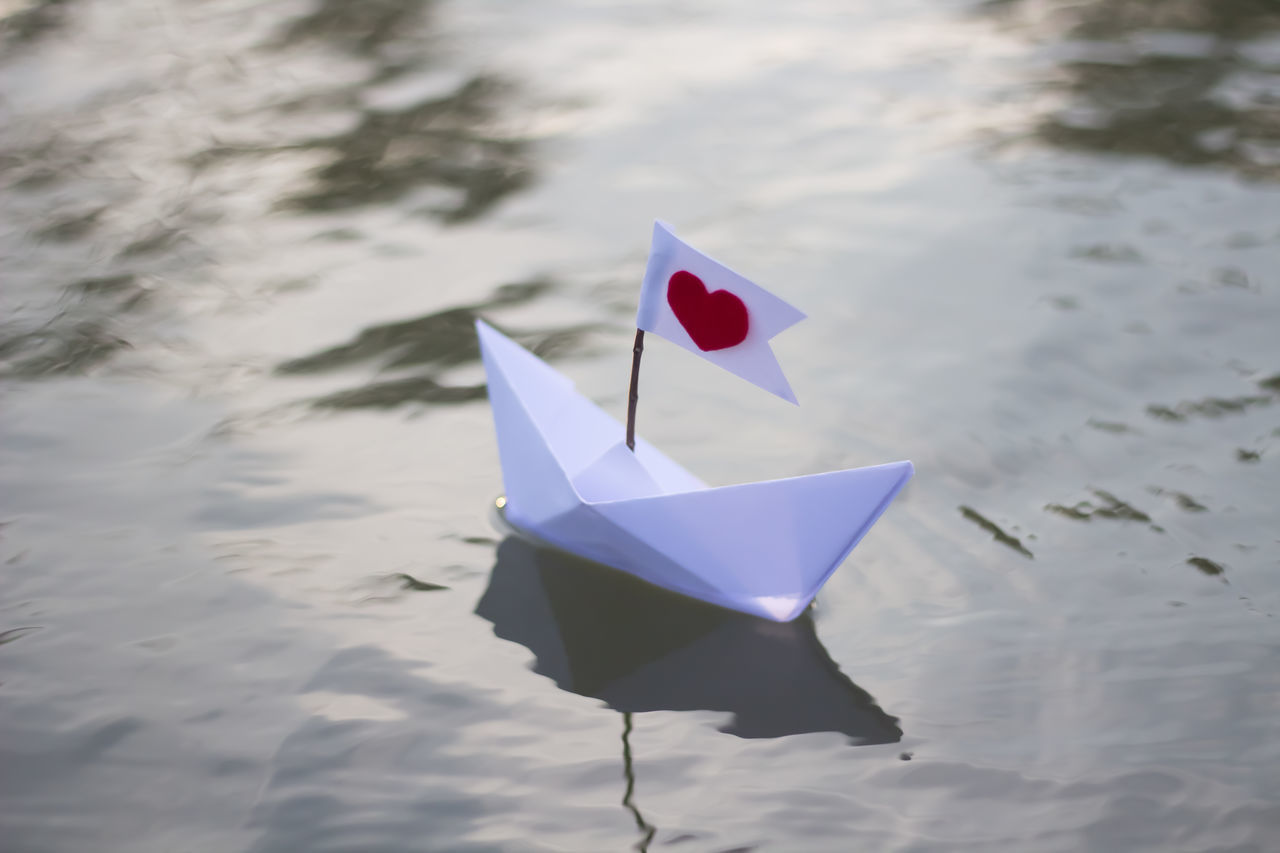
(647, 830)
(601, 633)
(1108, 507)
(450, 144)
(83, 334)
(431, 343)
(447, 143)
(453, 143)
(30, 21)
(57, 349)
(445, 337)
(361, 28)
(1210, 407)
(1181, 80)
(995, 530)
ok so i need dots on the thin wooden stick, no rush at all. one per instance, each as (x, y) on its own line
(636, 352)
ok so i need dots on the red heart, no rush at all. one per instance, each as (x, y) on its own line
(715, 320)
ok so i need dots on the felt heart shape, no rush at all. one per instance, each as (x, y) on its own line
(714, 319)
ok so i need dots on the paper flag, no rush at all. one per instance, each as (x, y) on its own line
(764, 548)
(707, 308)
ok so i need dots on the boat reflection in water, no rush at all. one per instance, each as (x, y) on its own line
(600, 632)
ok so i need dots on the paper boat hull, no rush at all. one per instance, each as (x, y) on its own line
(764, 548)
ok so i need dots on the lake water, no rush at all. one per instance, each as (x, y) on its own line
(255, 593)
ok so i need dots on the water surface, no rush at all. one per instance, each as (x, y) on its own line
(254, 594)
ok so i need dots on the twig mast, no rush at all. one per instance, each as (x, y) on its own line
(636, 351)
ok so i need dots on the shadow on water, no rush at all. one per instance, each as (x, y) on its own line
(1180, 80)
(434, 342)
(601, 633)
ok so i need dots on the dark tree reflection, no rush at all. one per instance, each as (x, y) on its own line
(28, 22)
(364, 28)
(1181, 80)
(445, 142)
(455, 142)
(428, 345)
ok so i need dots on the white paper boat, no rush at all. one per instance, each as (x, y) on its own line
(764, 548)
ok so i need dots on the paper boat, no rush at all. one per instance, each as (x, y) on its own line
(763, 548)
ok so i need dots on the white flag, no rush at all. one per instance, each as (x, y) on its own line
(709, 309)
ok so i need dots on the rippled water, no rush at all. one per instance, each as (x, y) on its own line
(254, 594)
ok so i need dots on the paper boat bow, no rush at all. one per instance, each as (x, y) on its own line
(764, 548)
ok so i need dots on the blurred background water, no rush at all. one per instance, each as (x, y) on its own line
(254, 597)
